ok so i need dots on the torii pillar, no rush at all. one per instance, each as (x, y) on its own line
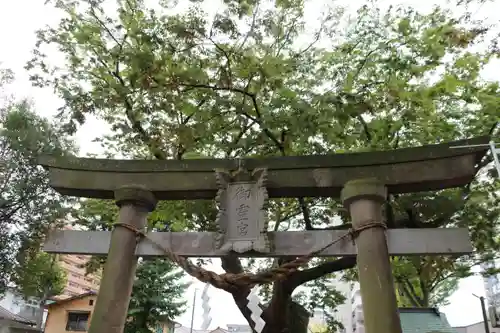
(364, 199)
(110, 312)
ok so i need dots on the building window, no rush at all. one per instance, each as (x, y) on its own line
(91, 302)
(77, 321)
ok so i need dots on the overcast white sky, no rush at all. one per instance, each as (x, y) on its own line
(18, 21)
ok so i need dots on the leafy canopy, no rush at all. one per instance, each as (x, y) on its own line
(28, 206)
(40, 276)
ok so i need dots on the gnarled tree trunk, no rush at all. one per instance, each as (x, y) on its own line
(281, 314)
(298, 318)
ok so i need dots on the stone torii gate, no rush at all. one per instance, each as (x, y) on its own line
(241, 188)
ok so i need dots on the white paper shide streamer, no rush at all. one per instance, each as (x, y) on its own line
(206, 308)
(495, 151)
(254, 307)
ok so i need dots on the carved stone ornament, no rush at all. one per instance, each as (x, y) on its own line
(242, 218)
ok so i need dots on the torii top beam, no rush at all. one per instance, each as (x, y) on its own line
(426, 168)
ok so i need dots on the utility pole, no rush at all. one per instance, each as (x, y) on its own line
(192, 311)
(485, 315)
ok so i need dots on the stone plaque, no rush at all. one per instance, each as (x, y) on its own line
(242, 220)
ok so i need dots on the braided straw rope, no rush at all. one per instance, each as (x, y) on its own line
(233, 282)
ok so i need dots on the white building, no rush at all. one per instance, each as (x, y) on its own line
(357, 324)
(345, 313)
(14, 302)
(492, 285)
(476, 328)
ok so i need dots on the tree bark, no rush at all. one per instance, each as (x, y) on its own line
(282, 315)
(287, 317)
(41, 308)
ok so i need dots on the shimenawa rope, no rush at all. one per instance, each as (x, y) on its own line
(231, 282)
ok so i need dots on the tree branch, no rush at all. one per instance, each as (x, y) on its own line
(411, 291)
(229, 76)
(425, 293)
(252, 26)
(306, 275)
(407, 294)
(493, 128)
(257, 119)
(365, 128)
(238, 137)
(232, 264)
(129, 112)
(305, 213)
(440, 278)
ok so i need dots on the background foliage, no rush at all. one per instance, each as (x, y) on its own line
(157, 295)
(29, 208)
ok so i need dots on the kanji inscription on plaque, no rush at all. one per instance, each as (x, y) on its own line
(242, 219)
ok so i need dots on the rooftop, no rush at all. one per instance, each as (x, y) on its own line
(58, 301)
(424, 320)
(6, 314)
